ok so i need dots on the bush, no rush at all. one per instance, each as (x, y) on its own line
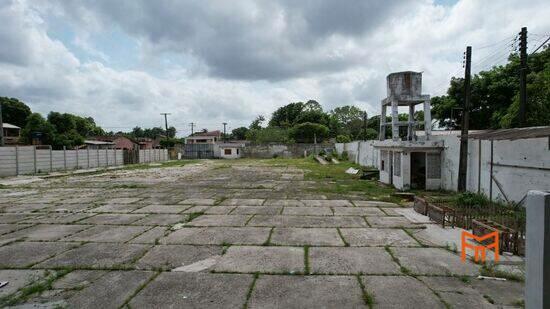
(307, 132)
(322, 152)
(269, 135)
(472, 200)
(344, 156)
(343, 139)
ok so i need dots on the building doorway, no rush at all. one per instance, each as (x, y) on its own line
(418, 170)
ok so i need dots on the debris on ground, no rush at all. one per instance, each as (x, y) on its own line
(3, 284)
(321, 160)
(199, 266)
(491, 278)
(335, 161)
(352, 171)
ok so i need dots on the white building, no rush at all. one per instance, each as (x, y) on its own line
(230, 150)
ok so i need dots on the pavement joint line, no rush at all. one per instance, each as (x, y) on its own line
(250, 290)
(139, 288)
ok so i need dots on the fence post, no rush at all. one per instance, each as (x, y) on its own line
(537, 287)
(106, 157)
(34, 158)
(77, 158)
(65, 158)
(97, 157)
(51, 159)
(88, 156)
(150, 155)
(16, 160)
(115, 156)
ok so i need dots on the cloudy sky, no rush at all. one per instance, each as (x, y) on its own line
(208, 62)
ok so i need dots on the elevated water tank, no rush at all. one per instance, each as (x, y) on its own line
(406, 83)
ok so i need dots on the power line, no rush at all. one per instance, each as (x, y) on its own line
(548, 39)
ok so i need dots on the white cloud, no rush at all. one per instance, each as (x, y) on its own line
(243, 59)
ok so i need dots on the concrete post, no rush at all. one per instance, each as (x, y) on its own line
(88, 156)
(410, 129)
(427, 119)
(394, 120)
(51, 159)
(77, 158)
(34, 158)
(97, 149)
(115, 155)
(383, 124)
(106, 157)
(537, 287)
(16, 160)
(65, 158)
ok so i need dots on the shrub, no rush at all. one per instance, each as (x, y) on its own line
(307, 132)
(344, 156)
(343, 139)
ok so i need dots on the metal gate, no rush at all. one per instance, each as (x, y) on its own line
(198, 151)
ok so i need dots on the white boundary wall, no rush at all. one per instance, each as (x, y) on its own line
(153, 155)
(25, 160)
(518, 166)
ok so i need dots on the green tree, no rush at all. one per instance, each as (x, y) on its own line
(239, 133)
(343, 139)
(257, 123)
(287, 115)
(14, 111)
(307, 132)
(348, 120)
(269, 135)
(35, 123)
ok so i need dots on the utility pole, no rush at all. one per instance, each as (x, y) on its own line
(166, 122)
(1, 127)
(365, 125)
(224, 124)
(522, 75)
(463, 160)
(192, 124)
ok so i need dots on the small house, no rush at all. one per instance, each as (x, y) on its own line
(11, 133)
(230, 150)
(210, 137)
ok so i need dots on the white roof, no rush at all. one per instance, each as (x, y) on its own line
(6, 125)
(94, 142)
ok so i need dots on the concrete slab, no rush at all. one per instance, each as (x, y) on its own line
(351, 261)
(307, 221)
(98, 256)
(108, 233)
(25, 254)
(377, 237)
(6, 218)
(503, 293)
(161, 219)
(122, 200)
(116, 208)
(447, 284)
(257, 210)
(8, 228)
(400, 292)
(199, 201)
(458, 300)
(149, 237)
(46, 232)
(243, 202)
(434, 261)
(194, 290)
(218, 236)
(306, 292)
(308, 211)
(163, 209)
(393, 222)
(111, 290)
(327, 203)
(196, 209)
(18, 278)
(77, 279)
(244, 259)
(112, 219)
(411, 215)
(306, 236)
(373, 204)
(167, 257)
(219, 210)
(220, 220)
(357, 211)
(285, 203)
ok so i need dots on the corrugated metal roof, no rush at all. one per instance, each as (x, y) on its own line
(94, 142)
(6, 125)
(511, 134)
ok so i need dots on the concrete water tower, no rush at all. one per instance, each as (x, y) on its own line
(405, 89)
(411, 162)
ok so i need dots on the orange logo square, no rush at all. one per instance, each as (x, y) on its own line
(480, 250)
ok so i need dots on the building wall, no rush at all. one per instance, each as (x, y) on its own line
(233, 154)
(125, 143)
(518, 166)
(153, 155)
(284, 151)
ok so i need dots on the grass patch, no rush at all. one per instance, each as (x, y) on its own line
(367, 298)
(489, 299)
(250, 289)
(194, 215)
(36, 287)
(490, 270)
(171, 163)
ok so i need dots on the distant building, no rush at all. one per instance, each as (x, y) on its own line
(11, 133)
(211, 137)
(145, 143)
(120, 141)
(230, 150)
(94, 144)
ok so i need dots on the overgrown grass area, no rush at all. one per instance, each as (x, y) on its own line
(332, 178)
(172, 163)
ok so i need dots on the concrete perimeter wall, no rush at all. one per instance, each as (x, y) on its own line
(284, 151)
(26, 160)
(518, 166)
(153, 155)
